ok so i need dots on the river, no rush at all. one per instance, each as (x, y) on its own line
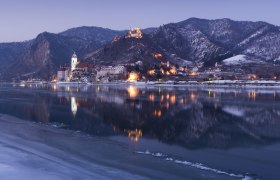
(139, 132)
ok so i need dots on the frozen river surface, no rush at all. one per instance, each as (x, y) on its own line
(113, 132)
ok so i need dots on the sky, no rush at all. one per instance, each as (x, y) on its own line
(24, 19)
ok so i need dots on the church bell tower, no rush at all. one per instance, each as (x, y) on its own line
(74, 62)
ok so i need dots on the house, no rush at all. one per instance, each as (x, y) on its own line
(113, 72)
(64, 74)
(82, 70)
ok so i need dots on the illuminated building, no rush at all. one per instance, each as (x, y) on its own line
(152, 72)
(135, 33)
(133, 76)
(74, 62)
(111, 71)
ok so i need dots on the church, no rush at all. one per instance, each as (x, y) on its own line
(75, 72)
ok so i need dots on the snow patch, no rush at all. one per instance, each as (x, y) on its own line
(238, 59)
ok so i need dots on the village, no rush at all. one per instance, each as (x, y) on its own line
(160, 71)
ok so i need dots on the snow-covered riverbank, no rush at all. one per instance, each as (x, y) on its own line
(29, 151)
(36, 151)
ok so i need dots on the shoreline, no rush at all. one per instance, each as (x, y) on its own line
(209, 84)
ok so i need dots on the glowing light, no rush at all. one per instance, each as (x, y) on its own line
(157, 55)
(157, 113)
(193, 73)
(54, 80)
(173, 70)
(252, 94)
(182, 101)
(132, 91)
(54, 87)
(133, 76)
(161, 98)
(162, 71)
(135, 33)
(167, 73)
(167, 96)
(193, 96)
(152, 72)
(173, 99)
(152, 97)
(134, 135)
(252, 77)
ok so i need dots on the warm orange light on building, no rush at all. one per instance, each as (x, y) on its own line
(152, 72)
(173, 70)
(162, 71)
(157, 55)
(193, 73)
(135, 33)
(54, 80)
(132, 91)
(133, 76)
(252, 77)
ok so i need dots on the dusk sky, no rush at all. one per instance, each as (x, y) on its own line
(25, 19)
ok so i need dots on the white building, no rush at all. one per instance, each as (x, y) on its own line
(111, 70)
(74, 62)
(63, 74)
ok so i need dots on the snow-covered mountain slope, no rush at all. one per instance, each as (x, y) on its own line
(239, 60)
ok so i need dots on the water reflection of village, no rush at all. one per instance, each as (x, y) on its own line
(185, 116)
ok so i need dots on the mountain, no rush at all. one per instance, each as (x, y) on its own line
(193, 41)
(125, 51)
(202, 41)
(42, 56)
(99, 35)
(11, 52)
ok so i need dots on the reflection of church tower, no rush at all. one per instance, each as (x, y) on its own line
(74, 106)
(74, 62)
